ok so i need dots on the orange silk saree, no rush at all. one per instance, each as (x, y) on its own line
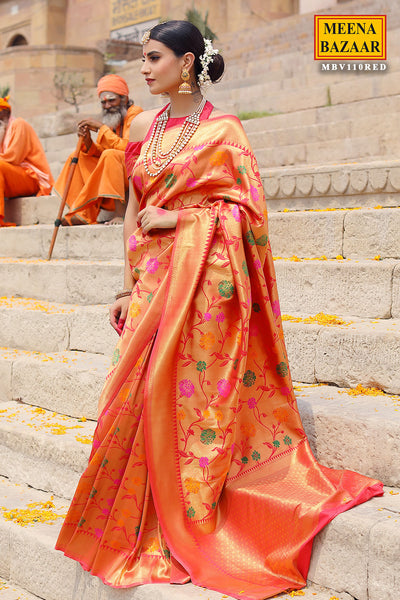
(200, 468)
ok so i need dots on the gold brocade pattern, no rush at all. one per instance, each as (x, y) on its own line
(200, 466)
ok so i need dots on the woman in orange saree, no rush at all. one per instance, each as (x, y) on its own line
(200, 468)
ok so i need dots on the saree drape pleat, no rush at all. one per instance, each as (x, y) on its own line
(200, 468)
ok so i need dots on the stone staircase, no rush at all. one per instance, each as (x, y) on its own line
(333, 193)
(56, 347)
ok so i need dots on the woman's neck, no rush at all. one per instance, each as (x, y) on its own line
(183, 105)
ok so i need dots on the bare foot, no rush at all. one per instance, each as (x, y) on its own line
(114, 221)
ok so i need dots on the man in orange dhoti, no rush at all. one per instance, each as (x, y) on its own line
(100, 175)
(24, 170)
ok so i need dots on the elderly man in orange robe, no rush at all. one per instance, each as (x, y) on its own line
(99, 179)
(24, 170)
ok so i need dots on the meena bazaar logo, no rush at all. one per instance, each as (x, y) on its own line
(350, 37)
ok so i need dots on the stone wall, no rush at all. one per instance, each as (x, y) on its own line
(80, 22)
(39, 21)
(29, 71)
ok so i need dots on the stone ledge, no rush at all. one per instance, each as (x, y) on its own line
(99, 242)
(66, 281)
(363, 352)
(343, 185)
(68, 383)
(43, 449)
(358, 288)
(360, 433)
(62, 327)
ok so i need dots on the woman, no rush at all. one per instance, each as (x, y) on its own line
(200, 468)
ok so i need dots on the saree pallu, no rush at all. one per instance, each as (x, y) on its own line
(200, 467)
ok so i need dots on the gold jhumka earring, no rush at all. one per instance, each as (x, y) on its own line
(185, 88)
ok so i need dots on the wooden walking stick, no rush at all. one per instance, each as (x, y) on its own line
(72, 165)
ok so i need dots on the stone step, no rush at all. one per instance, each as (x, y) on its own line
(361, 233)
(9, 591)
(66, 281)
(322, 348)
(324, 115)
(43, 449)
(44, 446)
(28, 558)
(358, 352)
(356, 432)
(364, 233)
(288, 96)
(29, 210)
(332, 354)
(356, 552)
(359, 288)
(68, 383)
(334, 151)
(62, 327)
(99, 242)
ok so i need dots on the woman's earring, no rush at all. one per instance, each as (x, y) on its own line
(185, 88)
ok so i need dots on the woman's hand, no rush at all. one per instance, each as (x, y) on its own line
(118, 313)
(153, 217)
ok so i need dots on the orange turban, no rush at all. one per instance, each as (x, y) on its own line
(113, 83)
(4, 103)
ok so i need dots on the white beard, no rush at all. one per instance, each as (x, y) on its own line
(113, 119)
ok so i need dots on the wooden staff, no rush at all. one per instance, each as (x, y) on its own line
(72, 165)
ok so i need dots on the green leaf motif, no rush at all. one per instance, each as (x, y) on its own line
(262, 240)
(207, 436)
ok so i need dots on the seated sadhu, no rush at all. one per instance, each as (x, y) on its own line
(99, 180)
(24, 170)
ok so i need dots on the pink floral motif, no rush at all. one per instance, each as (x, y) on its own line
(285, 391)
(257, 264)
(254, 193)
(207, 316)
(276, 308)
(191, 182)
(186, 388)
(132, 243)
(236, 213)
(152, 265)
(220, 318)
(203, 462)
(98, 532)
(224, 387)
(251, 402)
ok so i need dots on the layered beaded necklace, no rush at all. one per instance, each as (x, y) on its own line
(159, 159)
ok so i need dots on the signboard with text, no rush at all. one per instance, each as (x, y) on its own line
(131, 12)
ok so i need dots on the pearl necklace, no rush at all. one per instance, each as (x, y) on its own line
(162, 159)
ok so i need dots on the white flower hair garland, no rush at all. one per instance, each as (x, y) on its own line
(205, 60)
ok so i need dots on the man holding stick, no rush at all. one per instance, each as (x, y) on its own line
(99, 179)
